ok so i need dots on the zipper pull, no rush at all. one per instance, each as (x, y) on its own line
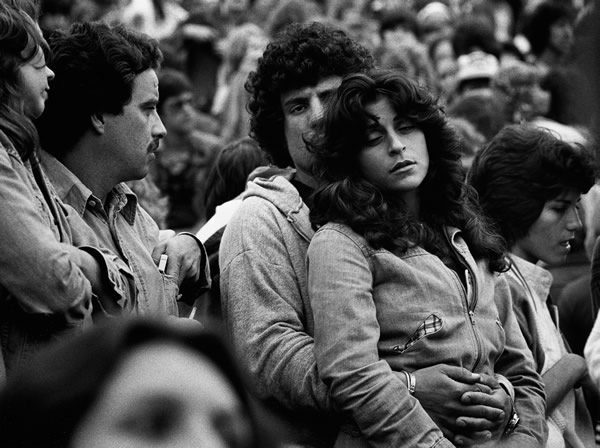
(472, 317)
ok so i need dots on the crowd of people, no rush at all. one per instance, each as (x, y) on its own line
(285, 223)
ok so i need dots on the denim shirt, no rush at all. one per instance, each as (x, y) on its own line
(377, 313)
(124, 228)
(43, 294)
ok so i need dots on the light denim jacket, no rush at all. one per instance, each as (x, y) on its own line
(43, 294)
(377, 313)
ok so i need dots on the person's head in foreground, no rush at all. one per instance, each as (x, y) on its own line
(130, 383)
(529, 183)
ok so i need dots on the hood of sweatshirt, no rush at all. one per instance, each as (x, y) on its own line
(279, 191)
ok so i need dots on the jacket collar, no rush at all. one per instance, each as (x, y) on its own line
(72, 191)
(538, 279)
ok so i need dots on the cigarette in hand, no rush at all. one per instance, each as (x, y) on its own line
(162, 263)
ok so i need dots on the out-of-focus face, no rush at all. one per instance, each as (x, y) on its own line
(178, 113)
(442, 52)
(132, 137)
(540, 100)
(550, 236)
(395, 158)
(561, 36)
(447, 70)
(166, 396)
(34, 77)
(301, 108)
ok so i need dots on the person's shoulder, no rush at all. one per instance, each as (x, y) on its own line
(334, 234)
(254, 216)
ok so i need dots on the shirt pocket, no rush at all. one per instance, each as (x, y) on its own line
(427, 327)
(171, 294)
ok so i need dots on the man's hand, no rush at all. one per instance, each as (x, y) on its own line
(184, 254)
(440, 390)
(482, 402)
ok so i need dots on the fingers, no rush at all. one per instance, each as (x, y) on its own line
(489, 381)
(158, 250)
(472, 438)
(469, 424)
(479, 398)
(461, 374)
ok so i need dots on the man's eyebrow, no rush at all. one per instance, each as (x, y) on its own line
(149, 102)
(295, 99)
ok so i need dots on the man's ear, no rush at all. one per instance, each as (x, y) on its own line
(97, 121)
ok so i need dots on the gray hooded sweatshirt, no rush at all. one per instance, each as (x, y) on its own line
(265, 305)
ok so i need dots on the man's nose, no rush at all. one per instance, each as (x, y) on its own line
(317, 108)
(158, 130)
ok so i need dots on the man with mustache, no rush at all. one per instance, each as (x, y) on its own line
(101, 129)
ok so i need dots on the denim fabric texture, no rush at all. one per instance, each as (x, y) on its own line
(124, 228)
(43, 294)
(377, 313)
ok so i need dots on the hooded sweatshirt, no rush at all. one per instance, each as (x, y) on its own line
(265, 305)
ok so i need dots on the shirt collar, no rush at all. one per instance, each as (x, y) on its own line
(72, 191)
(538, 278)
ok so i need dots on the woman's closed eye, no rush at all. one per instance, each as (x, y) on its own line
(374, 138)
(405, 128)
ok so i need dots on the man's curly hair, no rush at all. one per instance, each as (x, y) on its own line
(347, 197)
(300, 56)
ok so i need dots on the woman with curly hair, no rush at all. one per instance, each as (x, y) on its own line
(403, 281)
(529, 183)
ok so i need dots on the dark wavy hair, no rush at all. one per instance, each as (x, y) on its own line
(19, 42)
(521, 169)
(95, 65)
(346, 197)
(536, 26)
(300, 56)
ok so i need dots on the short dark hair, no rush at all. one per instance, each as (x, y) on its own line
(300, 56)
(398, 17)
(229, 173)
(522, 168)
(346, 197)
(171, 82)
(474, 33)
(95, 66)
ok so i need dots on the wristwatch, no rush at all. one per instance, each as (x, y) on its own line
(513, 422)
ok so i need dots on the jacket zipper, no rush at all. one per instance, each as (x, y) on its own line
(470, 293)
